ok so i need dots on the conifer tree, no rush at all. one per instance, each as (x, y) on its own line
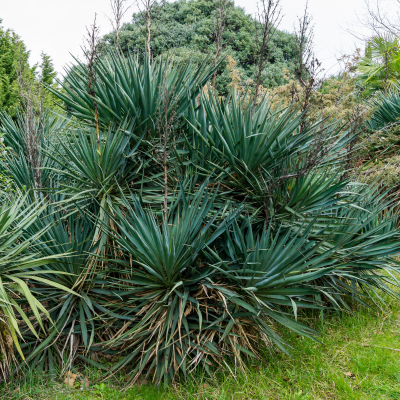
(12, 53)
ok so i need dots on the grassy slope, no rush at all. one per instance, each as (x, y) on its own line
(344, 368)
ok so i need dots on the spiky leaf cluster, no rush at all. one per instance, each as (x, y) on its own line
(199, 261)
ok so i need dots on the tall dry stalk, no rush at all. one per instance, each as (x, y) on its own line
(91, 50)
(304, 34)
(221, 13)
(166, 126)
(119, 9)
(307, 67)
(268, 18)
(147, 7)
(31, 106)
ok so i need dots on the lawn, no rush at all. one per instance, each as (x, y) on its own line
(359, 359)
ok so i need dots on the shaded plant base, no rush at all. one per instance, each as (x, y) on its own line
(357, 361)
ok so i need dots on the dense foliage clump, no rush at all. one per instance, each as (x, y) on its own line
(171, 229)
(170, 224)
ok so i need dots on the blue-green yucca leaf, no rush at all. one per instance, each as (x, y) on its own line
(272, 263)
(164, 253)
(75, 234)
(386, 110)
(366, 238)
(17, 164)
(128, 88)
(21, 262)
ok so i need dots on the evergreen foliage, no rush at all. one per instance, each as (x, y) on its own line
(13, 55)
(47, 72)
(184, 31)
(14, 61)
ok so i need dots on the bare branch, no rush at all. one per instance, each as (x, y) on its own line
(119, 9)
(382, 20)
(380, 17)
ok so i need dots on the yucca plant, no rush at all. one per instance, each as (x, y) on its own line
(129, 89)
(164, 281)
(261, 155)
(386, 110)
(189, 245)
(187, 305)
(69, 242)
(26, 160)
(366, 238)
(20, 264)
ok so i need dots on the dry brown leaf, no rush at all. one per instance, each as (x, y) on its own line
(69, 382)
(87, 383)
(349, 375)
(70, 379)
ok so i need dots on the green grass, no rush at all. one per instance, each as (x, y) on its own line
(357, 361)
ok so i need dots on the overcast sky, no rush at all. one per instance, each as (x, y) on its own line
(58, 26)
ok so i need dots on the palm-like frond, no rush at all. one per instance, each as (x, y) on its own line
(19, 263)
(380, 68)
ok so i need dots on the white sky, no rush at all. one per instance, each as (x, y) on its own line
(58, 26)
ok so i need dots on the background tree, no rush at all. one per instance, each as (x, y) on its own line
(47, 77)
(47, 72)
(185, 30)
(12, 53)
